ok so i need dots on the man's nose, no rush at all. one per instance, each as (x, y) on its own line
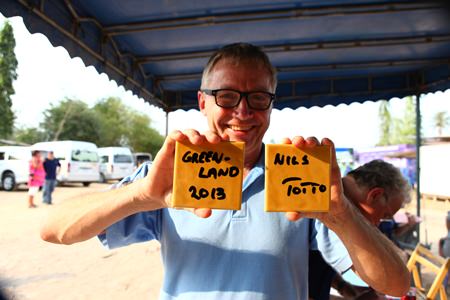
(243, 109)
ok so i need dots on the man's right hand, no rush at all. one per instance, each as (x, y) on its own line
(156, 187)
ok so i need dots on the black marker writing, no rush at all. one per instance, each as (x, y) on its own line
(213, 172)
(204, 157)
(302, 187)
(201, 193)
(280, 159)
(305, 160)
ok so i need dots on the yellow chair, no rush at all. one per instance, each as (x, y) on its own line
(437, 264)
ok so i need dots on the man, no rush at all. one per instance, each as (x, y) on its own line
(246, 254)
(379, 190)
(51, 167)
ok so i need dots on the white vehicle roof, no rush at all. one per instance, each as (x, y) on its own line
(52, 145)
(122, 150)
(24, 152)
(142, 153)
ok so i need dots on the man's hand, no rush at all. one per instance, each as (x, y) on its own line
(156, 188)
(339, 203)
(373, 255)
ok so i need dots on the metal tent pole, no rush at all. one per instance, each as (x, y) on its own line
(167, 123)
(418, 143)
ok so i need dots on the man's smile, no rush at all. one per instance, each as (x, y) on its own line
(240, 127)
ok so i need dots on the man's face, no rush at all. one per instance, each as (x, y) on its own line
(384, 206)
(240, 123)
(50, 155)
(375, 204)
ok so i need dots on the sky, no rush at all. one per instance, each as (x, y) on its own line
(47, 75)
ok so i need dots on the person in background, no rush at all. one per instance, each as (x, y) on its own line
(51, 167)
(231, 254)
(401, 229)
(379, 190)
(36, 177)
(444, 245)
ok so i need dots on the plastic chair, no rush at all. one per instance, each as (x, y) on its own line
(421, 256)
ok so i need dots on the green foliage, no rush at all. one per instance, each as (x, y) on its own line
(71, 120)
(142, 137)
(396, 131)
(131, 128)
(29, 135)
(385, 123)
(8, 66)
(405, 128)
(113, 117)
(441, 120)
(108, 123)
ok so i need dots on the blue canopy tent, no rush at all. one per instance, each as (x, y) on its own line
(326, 52)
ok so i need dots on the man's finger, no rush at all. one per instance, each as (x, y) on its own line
(203, 212)
(293, 216)
(286, 141)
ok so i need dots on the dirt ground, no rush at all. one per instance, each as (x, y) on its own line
(33, 269)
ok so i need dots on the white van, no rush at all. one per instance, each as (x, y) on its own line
(79, 160)
(14, 166)
(115, 163)
(141, 157)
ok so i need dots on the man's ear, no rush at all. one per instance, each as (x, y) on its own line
(201, 102)
(374, 195)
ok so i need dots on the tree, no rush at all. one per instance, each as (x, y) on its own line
(385, 123)
(108, 123)
(121, 126)
(113, 117)
(71, 120)
(405, 128)
(142, 137)
(441, 120)
(8, 66)
(29, 135)
(397, 130)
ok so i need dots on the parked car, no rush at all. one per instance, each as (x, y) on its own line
(141, 157)
(115, 163)
(79, 160)
(14, 165)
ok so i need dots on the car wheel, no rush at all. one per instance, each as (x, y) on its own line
(8, 181)
(86, 183)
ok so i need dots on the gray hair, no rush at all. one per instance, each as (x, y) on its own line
(239, 53)
(378, 173)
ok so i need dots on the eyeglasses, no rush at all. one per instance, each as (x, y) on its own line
(228, 98)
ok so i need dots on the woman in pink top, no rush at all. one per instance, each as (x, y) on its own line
(37, 177)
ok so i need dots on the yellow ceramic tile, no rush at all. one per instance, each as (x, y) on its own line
(297, 180)
(208, 176)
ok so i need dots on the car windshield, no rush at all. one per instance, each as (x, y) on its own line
(84, 156)
(123, 158)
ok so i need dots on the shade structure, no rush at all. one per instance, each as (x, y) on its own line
(326, 52)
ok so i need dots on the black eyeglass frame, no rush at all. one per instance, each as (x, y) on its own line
(241, 95)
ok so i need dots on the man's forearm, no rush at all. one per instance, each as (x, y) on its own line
(374, 257)
(84, 217)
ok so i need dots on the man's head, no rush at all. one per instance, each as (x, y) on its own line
(240, 53)
(378, 189)
(50, 155)
(236, 95)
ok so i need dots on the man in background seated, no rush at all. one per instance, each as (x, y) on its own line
(379, 190)
(401, 229)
